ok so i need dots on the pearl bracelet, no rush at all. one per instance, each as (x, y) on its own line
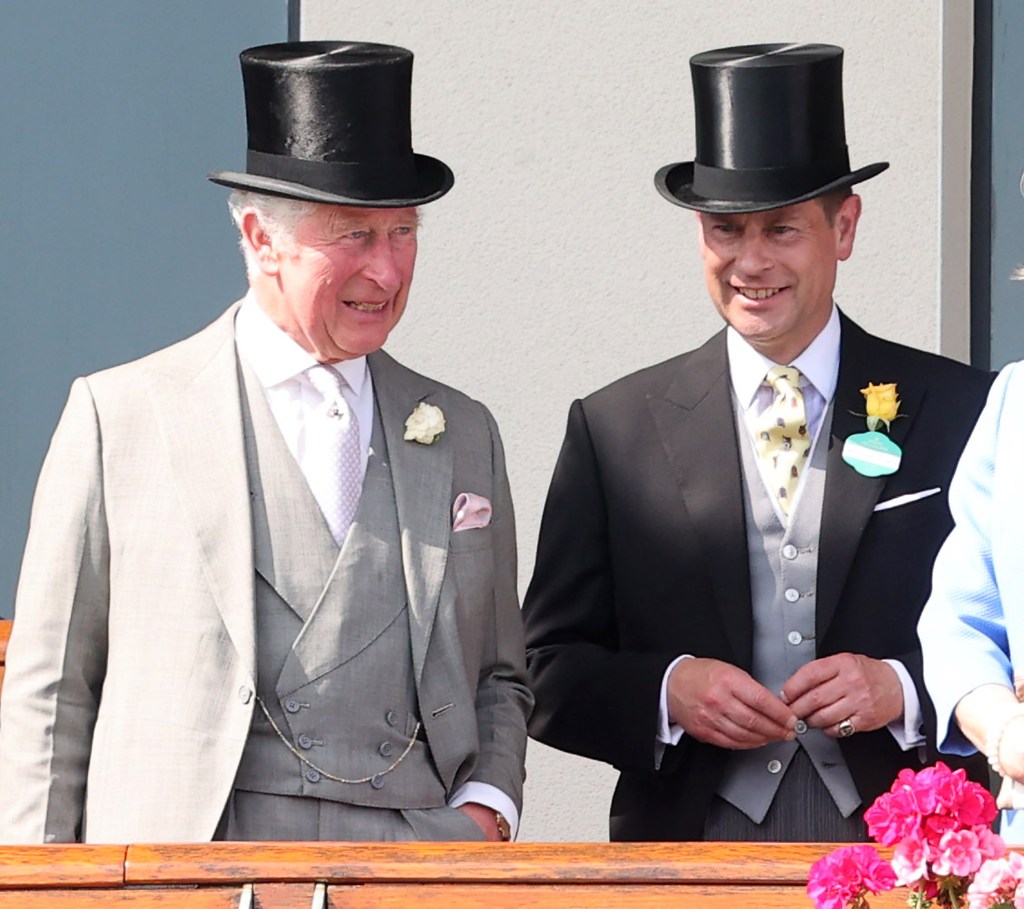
(995, 742)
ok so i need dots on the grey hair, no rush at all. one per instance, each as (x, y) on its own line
(278, 216)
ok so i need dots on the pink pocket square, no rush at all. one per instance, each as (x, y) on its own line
(470, 512)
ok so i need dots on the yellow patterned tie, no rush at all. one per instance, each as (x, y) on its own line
(782, 439)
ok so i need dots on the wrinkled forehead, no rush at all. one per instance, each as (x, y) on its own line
(338, 219)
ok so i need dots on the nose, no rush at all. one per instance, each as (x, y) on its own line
(381, 266)
(754, 255)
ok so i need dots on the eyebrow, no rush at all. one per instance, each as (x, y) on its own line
(342, 223)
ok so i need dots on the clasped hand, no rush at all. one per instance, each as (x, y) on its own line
(723, 705)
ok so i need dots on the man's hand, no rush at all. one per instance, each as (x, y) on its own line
(486, 819)
(721, 704)
(846, 686)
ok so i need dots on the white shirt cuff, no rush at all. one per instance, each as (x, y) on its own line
(492, 797)
(907, 728)
(668, 733)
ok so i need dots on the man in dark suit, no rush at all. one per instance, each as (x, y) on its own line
(737, 543)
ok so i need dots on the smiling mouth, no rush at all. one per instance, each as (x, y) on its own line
(361, 306)
(758, 293)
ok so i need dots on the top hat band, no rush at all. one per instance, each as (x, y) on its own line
(381, 178)
(765, 184)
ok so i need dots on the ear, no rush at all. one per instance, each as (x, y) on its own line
(259, 243)
(846, 226)
(700, 233)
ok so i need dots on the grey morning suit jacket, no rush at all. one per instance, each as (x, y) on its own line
(131, 667)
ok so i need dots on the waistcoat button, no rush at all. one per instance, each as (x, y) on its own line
(291, 705)
(774, 766)
(385, 749)
(312, 775)
(305, 742)
(377, 782)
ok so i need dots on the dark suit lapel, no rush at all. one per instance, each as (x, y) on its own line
(850, 498)
(697, 427)
(422, 477)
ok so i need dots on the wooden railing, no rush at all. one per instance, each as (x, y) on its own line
(414, 876)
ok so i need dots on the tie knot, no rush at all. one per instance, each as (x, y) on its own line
(328, 381)
(783, 379)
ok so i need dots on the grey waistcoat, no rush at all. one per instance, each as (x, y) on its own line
(333, 649)
(783, 583)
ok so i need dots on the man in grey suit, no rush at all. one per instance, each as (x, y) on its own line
(269, 590)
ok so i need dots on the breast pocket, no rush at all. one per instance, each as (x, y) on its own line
(470, 540)
(920, 515)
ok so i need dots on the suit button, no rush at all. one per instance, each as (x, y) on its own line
(391, 717)
(774, 766)
(291, 705)
(794, 638)
(305, 742)
(312, 775)
(377, 782)
(385, 749)
(800, 728)
(245, 694)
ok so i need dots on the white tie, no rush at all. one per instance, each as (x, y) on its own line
(338, 485)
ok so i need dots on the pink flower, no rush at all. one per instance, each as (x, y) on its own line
(960, 854)
(992, 845)
(893, 815)
(910, 861)
(937, 821)
(933, 829)
(997, 881)
(846, 874)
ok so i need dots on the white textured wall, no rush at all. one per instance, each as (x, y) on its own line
(553, 266)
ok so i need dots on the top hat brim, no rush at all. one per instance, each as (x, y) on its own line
(433, 179)
(675, 183)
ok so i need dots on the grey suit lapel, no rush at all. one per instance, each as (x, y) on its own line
(196, 397)
(422, 476)
(698, 431)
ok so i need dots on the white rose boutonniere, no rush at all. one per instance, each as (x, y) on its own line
(424, 424)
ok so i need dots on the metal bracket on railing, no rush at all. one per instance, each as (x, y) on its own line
(319, 896)
(245, 897)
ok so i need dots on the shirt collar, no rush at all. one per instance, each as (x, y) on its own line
(819, 362)
(275, 357)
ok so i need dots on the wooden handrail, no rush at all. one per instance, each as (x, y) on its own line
(419, 875)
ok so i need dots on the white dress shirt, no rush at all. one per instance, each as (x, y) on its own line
(819, 373)
(278, 362)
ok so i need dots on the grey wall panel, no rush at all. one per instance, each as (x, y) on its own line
(112, 241)
(1007, 206)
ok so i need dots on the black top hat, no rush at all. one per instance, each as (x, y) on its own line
(770, 130)
(328, 121)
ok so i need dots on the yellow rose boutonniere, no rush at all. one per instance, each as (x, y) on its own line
(873, 453)
(424, 424)
(883, 404)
